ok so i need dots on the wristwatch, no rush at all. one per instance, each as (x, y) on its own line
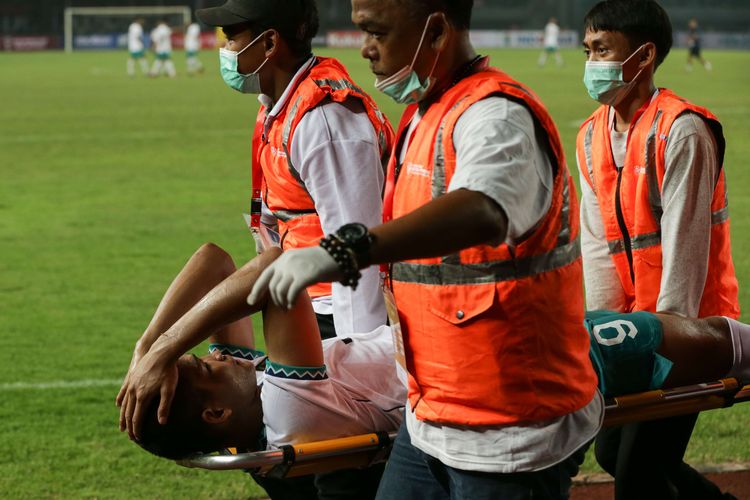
(357, 237)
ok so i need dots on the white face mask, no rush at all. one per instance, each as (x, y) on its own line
(404, 86)
(228, 63)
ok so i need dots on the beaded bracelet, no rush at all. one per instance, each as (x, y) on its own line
(345, 258)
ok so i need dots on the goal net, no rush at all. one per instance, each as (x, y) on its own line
(102, 27)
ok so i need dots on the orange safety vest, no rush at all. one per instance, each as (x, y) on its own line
(493, 335)
(633, 230)
(274, 177)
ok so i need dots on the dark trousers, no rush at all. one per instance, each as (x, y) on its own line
(645, 458)
(347, 484)
(413, 475)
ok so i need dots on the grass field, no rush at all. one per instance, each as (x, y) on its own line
(109, 184)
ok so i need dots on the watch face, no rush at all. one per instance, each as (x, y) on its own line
(352, 233)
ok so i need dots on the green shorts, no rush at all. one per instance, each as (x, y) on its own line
(623, 351)
(138, 54)
(164, 56)
(191, 53)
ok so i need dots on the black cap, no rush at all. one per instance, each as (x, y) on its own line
(239, 11)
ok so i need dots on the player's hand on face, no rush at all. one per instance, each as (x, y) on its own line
(291, 273)
(149, 378)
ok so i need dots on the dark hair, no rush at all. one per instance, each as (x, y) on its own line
(640, 21)
(296, 21)
(458, 12)
(185, 432)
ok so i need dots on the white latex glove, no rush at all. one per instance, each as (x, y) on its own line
(291, 273)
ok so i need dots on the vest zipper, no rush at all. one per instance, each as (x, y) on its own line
(623, 227)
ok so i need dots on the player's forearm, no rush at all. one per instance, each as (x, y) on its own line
(453, 222)
(205, 269)
(224, 304)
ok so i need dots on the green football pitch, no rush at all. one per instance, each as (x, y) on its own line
(109, 183)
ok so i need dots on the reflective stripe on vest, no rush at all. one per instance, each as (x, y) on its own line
(288, 215)
(587, 141)
(486, 272)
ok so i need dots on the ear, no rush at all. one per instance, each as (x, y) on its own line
(216, 415)
(440, 28)
(271, 41)
(647, 56)
(644, 57)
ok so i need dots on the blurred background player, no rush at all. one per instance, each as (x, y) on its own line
(161, 42)
(551, 43)
(694, 47)
(136, 47)
(192, 47)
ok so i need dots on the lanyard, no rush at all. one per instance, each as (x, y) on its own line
(256, 201)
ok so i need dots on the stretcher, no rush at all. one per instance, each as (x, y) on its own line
(368, 449)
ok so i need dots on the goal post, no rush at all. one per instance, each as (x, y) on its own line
(134, 12)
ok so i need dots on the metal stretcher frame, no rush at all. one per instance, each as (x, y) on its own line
(368, 449)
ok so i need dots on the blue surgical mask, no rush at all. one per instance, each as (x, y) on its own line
(604, 81)
(228, 60)
(405, 86)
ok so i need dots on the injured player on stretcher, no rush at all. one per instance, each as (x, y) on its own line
(303, 391)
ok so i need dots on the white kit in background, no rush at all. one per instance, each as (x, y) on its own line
(161, 40)
(192, 47)
(551, 43)
(136, 49)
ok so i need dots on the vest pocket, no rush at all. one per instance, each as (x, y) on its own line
(458, 304)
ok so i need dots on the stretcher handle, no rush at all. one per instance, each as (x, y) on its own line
(299, 453)
(723, 386)
(666, 403)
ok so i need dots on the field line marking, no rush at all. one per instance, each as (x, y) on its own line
(59, 384)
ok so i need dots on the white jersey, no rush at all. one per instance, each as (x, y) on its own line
(551, 34)
(161, 38)
(135, 37)
(193, 38)
(355, 392)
